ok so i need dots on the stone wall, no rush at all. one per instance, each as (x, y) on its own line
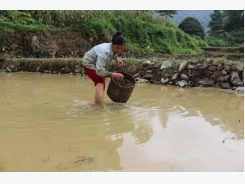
(208, 73)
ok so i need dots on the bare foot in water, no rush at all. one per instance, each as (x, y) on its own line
(101, 104)
(103, 107)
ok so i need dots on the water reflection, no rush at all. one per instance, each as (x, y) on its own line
(218, 107)
(49, 123)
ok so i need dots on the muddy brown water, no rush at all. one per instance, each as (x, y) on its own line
(48, 123)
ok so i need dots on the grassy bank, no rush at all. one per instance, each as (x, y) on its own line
(145, 32)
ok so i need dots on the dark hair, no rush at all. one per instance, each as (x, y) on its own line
(118, 39)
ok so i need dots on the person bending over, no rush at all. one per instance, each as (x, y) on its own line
(95, 61)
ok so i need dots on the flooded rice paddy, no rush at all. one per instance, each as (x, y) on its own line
(48, 123)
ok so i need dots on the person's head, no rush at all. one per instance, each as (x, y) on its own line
(118, 43)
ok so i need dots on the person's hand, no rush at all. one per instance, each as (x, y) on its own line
(119, 63)
(117, 75)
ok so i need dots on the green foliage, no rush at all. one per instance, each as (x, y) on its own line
(233, 19)
(203, 16)
(225, 61)
(215, 41)
(17, 17)
(216, 22)
(200, 42)
(97, 28)
(10, 27)
(143, 30)
(192, 26)
(167, 13)
(150, 37)
(226, 28)
(236, 37)
(180, 35)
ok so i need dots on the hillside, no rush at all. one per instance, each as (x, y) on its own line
(72, 33)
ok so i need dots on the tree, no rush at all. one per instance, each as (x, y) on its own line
(167, 13)
(227, 26)
(216, 22)
(233, 19)
(192, 26)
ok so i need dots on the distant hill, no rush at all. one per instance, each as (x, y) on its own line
(203, 16)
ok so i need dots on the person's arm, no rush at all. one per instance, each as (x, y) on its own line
(119, 61)
(119, 64)
(117, 75)
(101, 67)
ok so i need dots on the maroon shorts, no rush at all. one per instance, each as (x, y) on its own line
(94, 77)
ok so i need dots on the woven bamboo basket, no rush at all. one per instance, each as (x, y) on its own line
(118, 93)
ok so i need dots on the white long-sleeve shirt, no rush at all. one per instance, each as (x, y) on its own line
(99, 57)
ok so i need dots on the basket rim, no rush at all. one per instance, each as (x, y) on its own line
(112, 78)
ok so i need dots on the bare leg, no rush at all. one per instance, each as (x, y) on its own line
(95, 100)
(99, 96)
